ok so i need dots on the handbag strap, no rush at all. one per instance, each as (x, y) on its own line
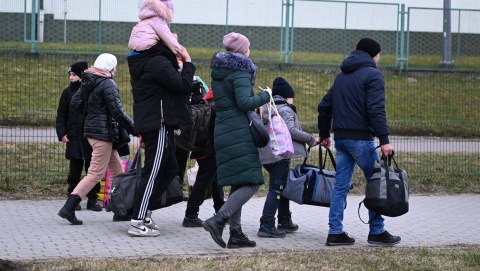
(270, 109)
(271, 106)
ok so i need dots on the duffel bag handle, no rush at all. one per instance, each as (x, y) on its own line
(137, 159)
(329, 152)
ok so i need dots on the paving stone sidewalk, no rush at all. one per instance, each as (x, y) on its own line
(32, 229)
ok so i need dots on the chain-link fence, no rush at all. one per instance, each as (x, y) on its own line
(293, 31)
(334, 27)
(426, 38)
(432, 114)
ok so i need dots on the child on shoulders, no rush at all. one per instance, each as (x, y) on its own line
(154, 15)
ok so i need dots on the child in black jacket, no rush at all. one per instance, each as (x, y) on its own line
(70, 131)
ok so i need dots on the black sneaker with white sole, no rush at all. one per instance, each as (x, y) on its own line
(341, 239)
(384, 239)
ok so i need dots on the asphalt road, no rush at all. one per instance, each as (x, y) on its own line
(400, 143)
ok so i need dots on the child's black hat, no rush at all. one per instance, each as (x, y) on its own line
(78, 68)
(282, 88)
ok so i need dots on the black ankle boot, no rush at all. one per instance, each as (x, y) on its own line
(285, 223)
(68, 209)
(78, 208)
(239, 239)
(214, 225)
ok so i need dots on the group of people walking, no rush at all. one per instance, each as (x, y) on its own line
(162, 75)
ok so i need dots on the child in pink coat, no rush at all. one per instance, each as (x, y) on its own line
(154, 17)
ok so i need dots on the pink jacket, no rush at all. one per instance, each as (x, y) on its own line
(154, 17)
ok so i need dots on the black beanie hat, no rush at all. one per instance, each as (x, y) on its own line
(282, 88)
(369, 45)
(78, 68)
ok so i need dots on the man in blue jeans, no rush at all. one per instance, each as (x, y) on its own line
(356, 104)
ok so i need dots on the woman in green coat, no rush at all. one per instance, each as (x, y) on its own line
(238, 162)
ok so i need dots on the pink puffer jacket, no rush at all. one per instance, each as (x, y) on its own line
(154, 17)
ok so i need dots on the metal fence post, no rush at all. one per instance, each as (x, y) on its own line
(286, 41)
(408, 37)
(226, 20)
(345, 32)
(458, 37)
(447, 35)
(65, 22)
(41, 21)
(99, 26)
(33, 26)
(402, 58)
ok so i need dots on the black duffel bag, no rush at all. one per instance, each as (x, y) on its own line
(121, 197)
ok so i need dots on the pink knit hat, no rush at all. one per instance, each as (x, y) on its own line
(236, 43)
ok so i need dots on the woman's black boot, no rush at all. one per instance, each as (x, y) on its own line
(68, 209)
(214, 225)
(239, 239)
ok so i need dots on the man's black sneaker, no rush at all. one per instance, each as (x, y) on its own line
(192, 222)
(384, 238)
(341, 239)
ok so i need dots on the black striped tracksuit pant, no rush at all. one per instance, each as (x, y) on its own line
(160, 168)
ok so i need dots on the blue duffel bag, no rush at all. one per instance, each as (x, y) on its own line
(311, 185)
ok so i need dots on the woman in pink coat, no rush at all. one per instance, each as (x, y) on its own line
(154, 17)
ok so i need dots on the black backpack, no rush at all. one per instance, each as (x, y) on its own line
(197, 136)
(198, 92)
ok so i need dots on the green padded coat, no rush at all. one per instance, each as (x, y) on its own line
(238, 162)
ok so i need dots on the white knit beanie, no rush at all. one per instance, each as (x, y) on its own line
(105, 62)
